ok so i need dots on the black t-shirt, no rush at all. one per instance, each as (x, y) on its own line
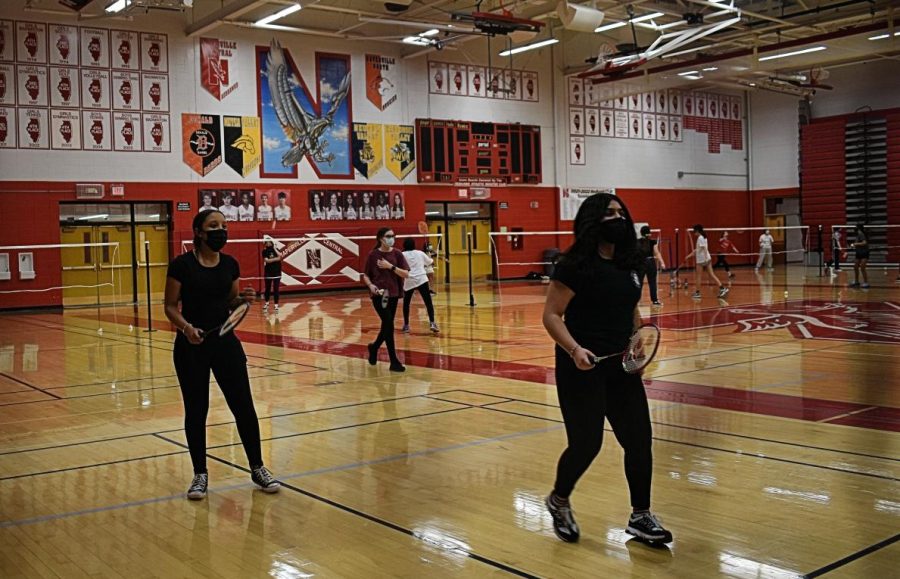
(204, 290)
(601, 314)
(645, 246)
(272, 269)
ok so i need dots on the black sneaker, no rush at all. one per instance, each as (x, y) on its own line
(264, 480)
(564, 524)
(657, 303)
(397, 367)
(647, 527)
(197, 490)
(373, 354)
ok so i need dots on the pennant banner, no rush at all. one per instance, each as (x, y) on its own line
(381, 80)
(201, 148)
(401, 150)
(243, 149)
(217, 58)
(368, 148)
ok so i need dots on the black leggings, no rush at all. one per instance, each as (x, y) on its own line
(270, 282)
(424, 291)
(386, 334)
(720, 260)
(585, 398)
(650, 272)
(226, 358)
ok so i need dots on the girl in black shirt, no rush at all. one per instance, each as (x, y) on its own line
(272, 272)
(591, 310)
(206, 283)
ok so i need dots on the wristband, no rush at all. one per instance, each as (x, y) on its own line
(393, 268)
(184, 329)
(572, 351)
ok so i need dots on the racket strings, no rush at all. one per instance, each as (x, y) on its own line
(641, 349)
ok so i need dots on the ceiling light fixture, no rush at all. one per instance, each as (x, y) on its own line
(431, 32)
(417, 40)
(278, 15)
(688, 73)
(531, 46)
(117, 6)
(883, 36)
(795, 53)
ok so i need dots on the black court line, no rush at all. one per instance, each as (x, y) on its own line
(32, 386)
(717, 449)
(281, 374)
(465, 403)
(127, 436)
(86, 466)
(385, 523)
(850, 558)
(732, 434)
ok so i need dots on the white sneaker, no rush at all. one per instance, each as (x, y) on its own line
(276, 308)
(266, 307)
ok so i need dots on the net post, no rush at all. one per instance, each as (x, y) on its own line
(147, 277)
(821, 249)
(677, 247)
(469, 252)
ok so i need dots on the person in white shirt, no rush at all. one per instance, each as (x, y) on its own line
(333, 213)
(703, 262)
(207, 203)
(282, 211)
(350, 212)
(765, 250)
(836, 250)
(246, 212)
(367, 211)
(316, 211)
(264, 211)
(227, 209)
(416, 281)
(382, 209)
(397, 211)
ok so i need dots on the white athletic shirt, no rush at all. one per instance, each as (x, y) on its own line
(246, 213)
(264, 213)
(702, 249)
(417, 261)
(282, 213)
(765, 241)
(230, 212)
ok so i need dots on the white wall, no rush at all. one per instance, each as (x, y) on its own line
(774, 140)
(774, 134)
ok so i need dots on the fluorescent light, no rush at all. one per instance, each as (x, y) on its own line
(688, 73)
(117, 6)
(693, 76)
(280, 14)
(610, 26)
(466, 213)
(647, 17)
(710, 69)
(883, 36)
(417, 40)
(752, 84)
(90, 217)
(795, 53)
(532, 46)
(431, 32)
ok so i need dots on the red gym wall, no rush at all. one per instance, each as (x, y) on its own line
(31, 216)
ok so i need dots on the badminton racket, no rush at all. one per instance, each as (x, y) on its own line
(641, 349)
(231, 322)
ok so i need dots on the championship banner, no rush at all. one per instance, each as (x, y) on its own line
(94, 47)
(124, 50)
(243, 148)
(34, 129)
(65, 130)
(368, 148)
(200, 146)
(64, 45)
(7, 41)
(31, 44)
(8, 128)
(401, 150)
(156, 133)
(381, 80)
(318, 259)
(217, 59)
(65, 87)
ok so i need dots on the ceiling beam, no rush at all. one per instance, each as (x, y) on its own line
(215, 19)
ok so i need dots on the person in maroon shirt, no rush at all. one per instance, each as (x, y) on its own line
(725, 247)
(386, 268)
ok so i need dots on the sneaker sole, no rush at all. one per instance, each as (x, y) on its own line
(644, 536)
(196, 497)
(269, 489)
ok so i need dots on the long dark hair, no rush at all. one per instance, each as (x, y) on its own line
(588, 238)
(380, 235)
(197, 225)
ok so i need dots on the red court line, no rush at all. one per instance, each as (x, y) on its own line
(719, 397)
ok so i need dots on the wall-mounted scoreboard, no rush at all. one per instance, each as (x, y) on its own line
(472, 152)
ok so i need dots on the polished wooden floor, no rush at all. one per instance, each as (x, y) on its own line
(776, 424)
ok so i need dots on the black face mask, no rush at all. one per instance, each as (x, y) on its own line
(614, 230)
(216, 239)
